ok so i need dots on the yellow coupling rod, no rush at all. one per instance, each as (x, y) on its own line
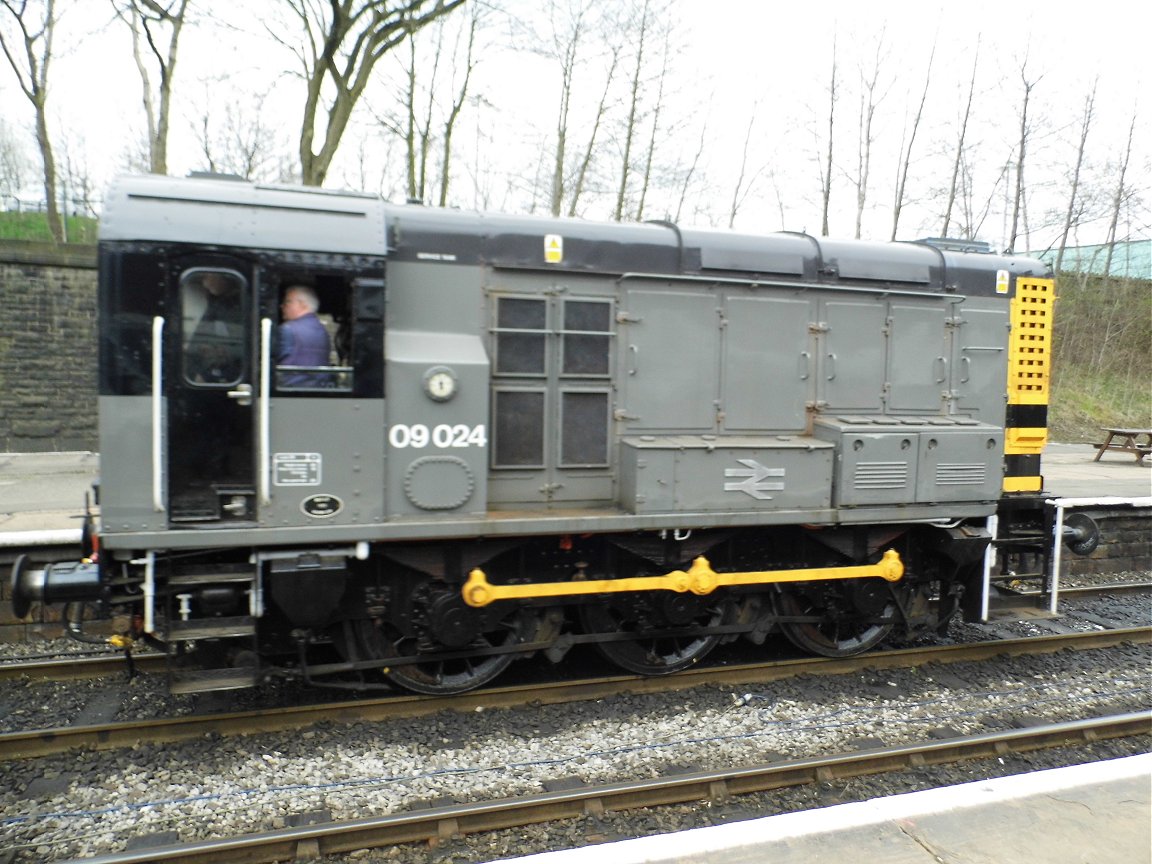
(699, 579)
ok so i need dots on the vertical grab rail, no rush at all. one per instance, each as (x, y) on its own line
(992, 526)
(150, 592)
(1055, 558)
(157, 414)
(263, 420)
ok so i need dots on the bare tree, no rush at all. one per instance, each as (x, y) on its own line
(597, 123)
(976, 214)
(13, 163)
(417, 130)
(370, 167)
(1019, 203)
(740, 191)
(421, 120)
(869, 101)
(576, 36)
(634, 98)
(652, 32)
(240, 141)
(961, 143)
(1070, 216)
(29, 53)
(906, 151)
(646, 177)
(148, 20)
(340, 43)
(691, 172)
(567, 59)
(78, 188)
(570, 26)
(136, 156)
(460, 95)
(1119, 197)
(826, 166)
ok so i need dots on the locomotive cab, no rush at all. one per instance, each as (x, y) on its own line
(200, 426)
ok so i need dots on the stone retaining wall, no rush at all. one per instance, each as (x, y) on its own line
(1125, 544)
(47, 348)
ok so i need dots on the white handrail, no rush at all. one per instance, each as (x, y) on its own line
(158, 414)
(263, 431)
(150, 592)
(991, 525)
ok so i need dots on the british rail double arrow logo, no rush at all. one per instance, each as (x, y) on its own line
(755, 482)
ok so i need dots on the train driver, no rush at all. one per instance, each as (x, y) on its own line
(303, 340)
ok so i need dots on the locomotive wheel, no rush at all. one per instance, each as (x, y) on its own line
(664, 611)
(842, 631)
(439, 677)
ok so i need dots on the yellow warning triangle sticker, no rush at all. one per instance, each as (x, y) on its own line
(553, 248)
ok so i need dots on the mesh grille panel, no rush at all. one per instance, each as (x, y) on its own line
(1029, 351)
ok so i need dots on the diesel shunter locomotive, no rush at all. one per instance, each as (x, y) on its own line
(533, 433)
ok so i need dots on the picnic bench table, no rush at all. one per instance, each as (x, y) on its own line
(1126, 441)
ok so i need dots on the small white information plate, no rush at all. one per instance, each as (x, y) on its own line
(296, 469)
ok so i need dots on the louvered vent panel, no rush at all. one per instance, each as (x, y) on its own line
(880, 475)
(961, 474)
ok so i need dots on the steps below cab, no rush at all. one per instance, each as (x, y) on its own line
(195, 593)
(1006, 604)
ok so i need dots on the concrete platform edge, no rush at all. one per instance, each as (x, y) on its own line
(711, 843)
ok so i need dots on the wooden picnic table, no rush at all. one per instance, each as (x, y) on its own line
(1126, 441)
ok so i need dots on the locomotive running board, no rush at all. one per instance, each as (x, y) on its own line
(700, 578)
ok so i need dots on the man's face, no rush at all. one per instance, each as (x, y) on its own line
(293, 306)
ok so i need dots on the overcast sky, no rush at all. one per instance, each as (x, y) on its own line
(739, 65)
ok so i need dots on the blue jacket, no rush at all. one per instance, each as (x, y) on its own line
(303, 342)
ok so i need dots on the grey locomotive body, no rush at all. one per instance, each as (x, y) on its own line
(536, 432)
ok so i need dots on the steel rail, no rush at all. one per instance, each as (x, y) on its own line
(1091, 590)
(79, 668)
(46, 742)
(443, 823)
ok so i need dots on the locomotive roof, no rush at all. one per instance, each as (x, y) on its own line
(242, 214)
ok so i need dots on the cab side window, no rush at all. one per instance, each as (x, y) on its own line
(312, 348)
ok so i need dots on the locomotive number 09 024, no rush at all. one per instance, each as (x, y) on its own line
(444, 436)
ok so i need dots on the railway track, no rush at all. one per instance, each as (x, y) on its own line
(435, 824)
(46, 742)
(1087, 592)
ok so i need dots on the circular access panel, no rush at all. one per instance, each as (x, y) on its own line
(439, 483)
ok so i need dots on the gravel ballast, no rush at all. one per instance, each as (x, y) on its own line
(94, 802)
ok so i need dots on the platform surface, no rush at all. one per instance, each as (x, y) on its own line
(45, 491)
(1098, 813)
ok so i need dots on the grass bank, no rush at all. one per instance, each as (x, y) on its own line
(31, 225)
(1102, 356)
